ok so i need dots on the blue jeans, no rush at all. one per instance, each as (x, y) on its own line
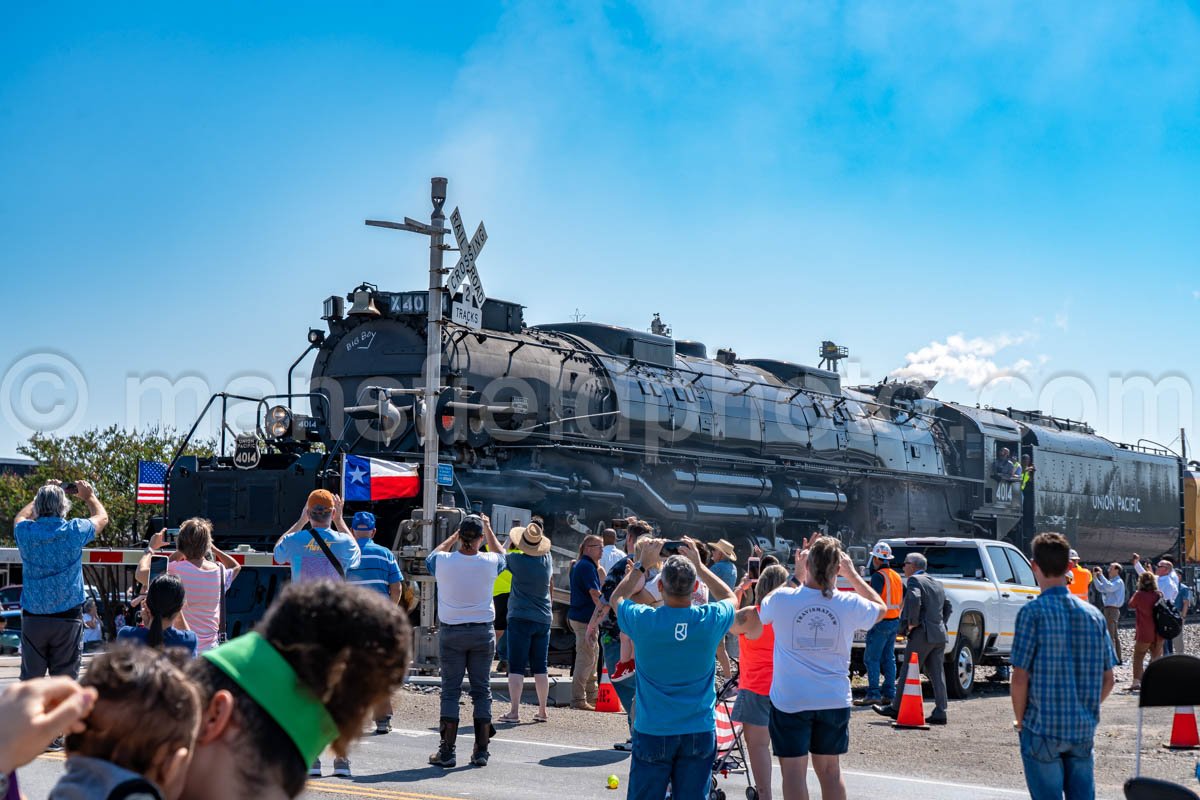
(610, 649)
(1054, 768)
(683, 761)
(880, 656)
(467, 649)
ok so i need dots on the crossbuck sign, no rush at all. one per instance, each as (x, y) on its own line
(469, 312)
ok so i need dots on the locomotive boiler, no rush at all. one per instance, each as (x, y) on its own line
(582, 422)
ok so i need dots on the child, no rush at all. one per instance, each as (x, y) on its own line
(140, 734)
(164, 602)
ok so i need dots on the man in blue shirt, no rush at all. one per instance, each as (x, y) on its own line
(378, 571)
(724, 566)
(52, 594)
(1183, 603)
(1112, 593)
(1062, 670)
(585, 597)
(674, 739)
(299, 547)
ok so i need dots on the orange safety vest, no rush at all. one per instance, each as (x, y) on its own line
(1081, 579)
(893, 592)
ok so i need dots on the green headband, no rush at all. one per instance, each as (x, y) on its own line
(269, 679)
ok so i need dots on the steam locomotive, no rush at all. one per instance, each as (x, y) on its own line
(581, 422)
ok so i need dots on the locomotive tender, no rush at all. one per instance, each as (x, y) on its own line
(581, 422)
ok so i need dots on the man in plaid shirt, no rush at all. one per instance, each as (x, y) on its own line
(1062, 669)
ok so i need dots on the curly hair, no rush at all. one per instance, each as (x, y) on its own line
(347, 644)
(146, 709)
(1147, 582)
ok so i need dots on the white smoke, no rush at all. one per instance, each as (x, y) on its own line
(961, 359)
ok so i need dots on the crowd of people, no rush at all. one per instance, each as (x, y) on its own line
(668, 618)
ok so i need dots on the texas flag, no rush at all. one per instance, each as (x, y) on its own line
(371, 479)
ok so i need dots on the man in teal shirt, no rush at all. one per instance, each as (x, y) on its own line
(674, 739)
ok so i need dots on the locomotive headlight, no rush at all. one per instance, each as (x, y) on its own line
(316, 336)
(279, 422)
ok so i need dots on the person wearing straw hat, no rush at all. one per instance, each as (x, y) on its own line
(529, 616)
(724, 566)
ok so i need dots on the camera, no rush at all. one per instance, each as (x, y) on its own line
(70, 488)
(752, 567)
(170, 535)
(618, 524)
(672, 548)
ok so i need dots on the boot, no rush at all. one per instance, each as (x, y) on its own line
(483, 734)
(445, 756)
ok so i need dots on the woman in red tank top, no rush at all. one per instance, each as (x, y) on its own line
(752, 708)
(1145, 635)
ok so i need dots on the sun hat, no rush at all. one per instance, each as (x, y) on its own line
(726, 548)
(530, 540)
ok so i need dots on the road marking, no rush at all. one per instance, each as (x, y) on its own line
(929, 782)
(503, 739)
(364, 791)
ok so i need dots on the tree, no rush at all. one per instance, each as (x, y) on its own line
(105, 456)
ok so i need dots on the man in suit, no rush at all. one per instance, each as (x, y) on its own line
(923, 618)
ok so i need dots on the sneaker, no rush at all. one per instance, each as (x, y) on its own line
(55, 745)
(383, 726)
(341, 768)
(868, 701)
(623, 672)
(625, 746)
(315, 770)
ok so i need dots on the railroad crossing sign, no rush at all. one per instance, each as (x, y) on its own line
(469, 312)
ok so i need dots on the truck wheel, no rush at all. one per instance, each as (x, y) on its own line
(960, 669)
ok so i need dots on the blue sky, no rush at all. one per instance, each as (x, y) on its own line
(1000, 195)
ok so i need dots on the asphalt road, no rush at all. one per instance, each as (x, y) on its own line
(392, 767)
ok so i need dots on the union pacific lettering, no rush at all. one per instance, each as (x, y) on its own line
(1112, 502)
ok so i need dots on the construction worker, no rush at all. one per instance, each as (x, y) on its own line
(880, 652)
(1078, 578)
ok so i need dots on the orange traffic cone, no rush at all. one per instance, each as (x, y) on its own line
(1183, 730)
(606, 696)
(912, 708)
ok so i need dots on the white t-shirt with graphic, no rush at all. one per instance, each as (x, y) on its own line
(813, 637)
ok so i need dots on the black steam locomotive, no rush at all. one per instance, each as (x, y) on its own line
(581, 422)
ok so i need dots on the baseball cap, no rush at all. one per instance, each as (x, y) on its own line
(320, 498)
(883, 550)
(471, 527)
(1072, 556)
(363, 521)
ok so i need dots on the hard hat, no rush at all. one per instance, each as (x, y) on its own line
(882, 551)
(1073, 556)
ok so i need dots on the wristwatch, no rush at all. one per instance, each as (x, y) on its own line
(638, 566)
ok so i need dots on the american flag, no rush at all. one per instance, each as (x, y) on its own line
(152, 480)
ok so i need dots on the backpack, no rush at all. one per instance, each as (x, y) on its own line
(1168, 623)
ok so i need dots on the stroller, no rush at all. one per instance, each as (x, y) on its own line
(731, 751)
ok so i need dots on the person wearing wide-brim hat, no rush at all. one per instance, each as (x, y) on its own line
(724, 567)
(530, 540)
(528, 636)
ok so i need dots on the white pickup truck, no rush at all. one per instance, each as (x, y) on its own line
(987, 583)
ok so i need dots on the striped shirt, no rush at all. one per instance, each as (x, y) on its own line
(377, 568)
(202, 599)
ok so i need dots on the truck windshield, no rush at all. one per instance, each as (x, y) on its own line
(944, 562)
